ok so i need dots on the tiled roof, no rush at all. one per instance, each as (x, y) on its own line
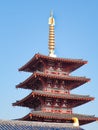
(83, 119)
(27, 125)
(76, 99)
(77, 62)
(76, 79)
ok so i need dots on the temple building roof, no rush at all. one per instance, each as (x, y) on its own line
(83, 119)
(28, 125)
(71, 81)
(73, 100)
(72, 64)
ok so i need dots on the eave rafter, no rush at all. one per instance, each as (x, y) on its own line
(83, 119)
(72, 100)
(76, 81)
(73, 63)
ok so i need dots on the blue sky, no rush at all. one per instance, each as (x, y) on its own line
(24, 32)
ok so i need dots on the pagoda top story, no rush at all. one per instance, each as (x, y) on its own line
(69, 64)
(51, 83)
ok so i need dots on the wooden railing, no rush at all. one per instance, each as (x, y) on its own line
(56, 110)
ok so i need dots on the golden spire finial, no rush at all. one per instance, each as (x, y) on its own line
(51, 35)
(51, 19)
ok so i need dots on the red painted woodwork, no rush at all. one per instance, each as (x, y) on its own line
(51, 83)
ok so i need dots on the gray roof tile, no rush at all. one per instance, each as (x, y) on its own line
(26, 125)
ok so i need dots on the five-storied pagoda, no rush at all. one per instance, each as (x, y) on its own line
(51, 83)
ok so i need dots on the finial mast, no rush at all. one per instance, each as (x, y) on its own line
(51, 44)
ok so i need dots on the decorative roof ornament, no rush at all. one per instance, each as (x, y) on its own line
(51, 19)
(51, 44)
(76, 121)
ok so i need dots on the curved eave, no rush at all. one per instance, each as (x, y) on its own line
(75, 63)
(73, 100)
(83, 119)
(30, 80)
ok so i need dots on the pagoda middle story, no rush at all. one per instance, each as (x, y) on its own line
(51, 83)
